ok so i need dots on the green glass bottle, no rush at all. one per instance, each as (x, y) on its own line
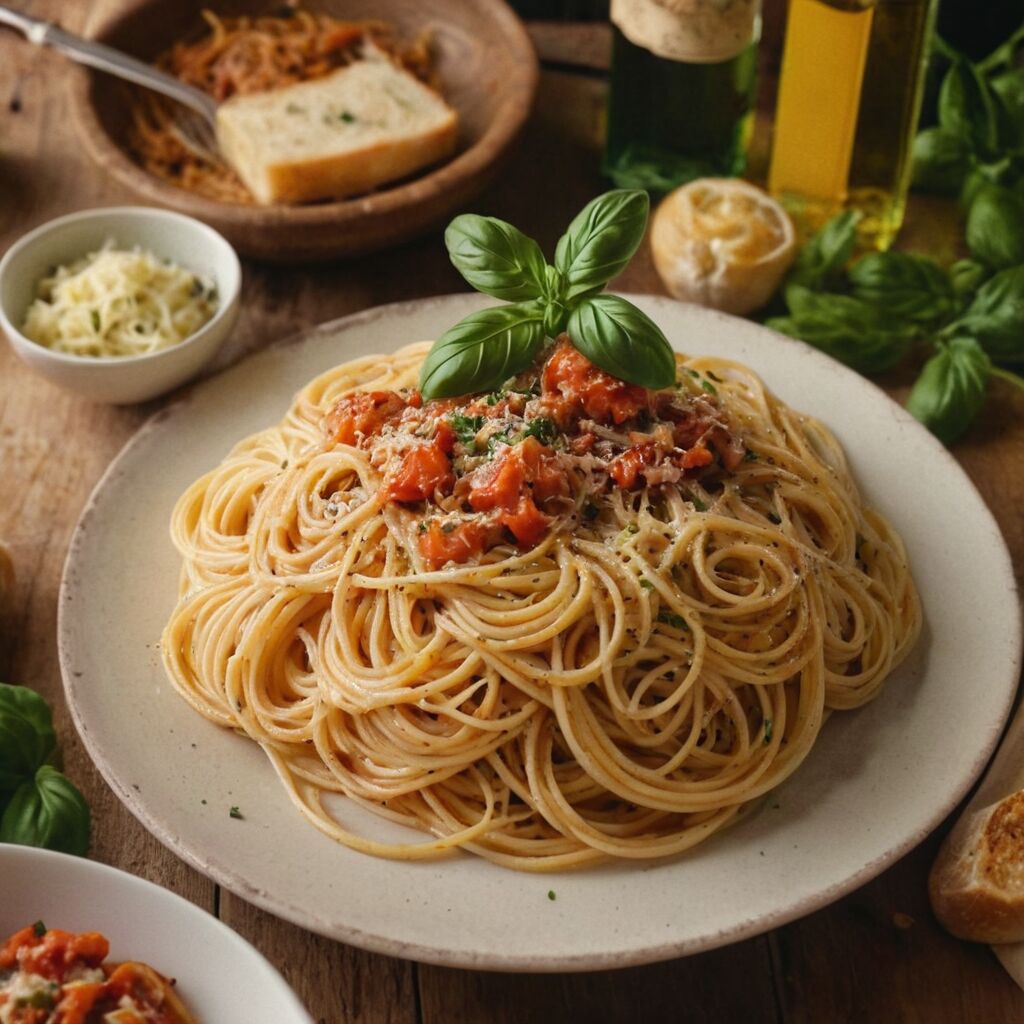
(681, 98)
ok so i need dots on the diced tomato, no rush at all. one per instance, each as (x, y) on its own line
(466, 541)
(77, 1001)
(529, 465)
(572, 386)
(24, 939)
(424, 470)
(362, 414)
(582, 444)
(526, 522)
(695, 457)
(56, 952)
(340, 37)
(626, 469)
(445, 437)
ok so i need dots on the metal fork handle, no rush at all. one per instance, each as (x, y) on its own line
(106, 58)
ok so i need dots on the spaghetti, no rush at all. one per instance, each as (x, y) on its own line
(569, 621)
(249, 54)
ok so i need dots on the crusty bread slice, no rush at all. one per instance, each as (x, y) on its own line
(341, 135)
(977, 881)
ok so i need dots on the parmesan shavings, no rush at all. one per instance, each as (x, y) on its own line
(116, 302)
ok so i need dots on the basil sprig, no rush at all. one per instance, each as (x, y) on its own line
(950, 391)
(485, 349)
(38, 805)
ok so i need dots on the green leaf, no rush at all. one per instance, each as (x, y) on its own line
(483, 350)
(995, 227)
(496, 258)
(967, 109)
(1009, 87)
(951, 388)
(600, 241)
(846, 328)
(905, 285)
(1004, 55)
(26, 735)
(967, 276)
(623, 341)
(996, 316)
(820, 262)
(47, 811)
(941, 161)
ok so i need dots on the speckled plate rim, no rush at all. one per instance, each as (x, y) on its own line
(1004, 677)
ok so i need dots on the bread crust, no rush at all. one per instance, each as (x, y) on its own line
(977, 882)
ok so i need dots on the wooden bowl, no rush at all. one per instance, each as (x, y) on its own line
(488, 72)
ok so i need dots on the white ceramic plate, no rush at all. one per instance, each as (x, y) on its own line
(878, 780)
(219, 975)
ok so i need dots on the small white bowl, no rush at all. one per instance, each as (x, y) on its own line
(220, 977)
(120, 380)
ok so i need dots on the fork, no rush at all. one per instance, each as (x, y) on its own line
(195, 126)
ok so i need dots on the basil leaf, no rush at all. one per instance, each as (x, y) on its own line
(495, 257)
(941, 161)
(995, 227)
(1009, 87)
(26, 735)
(951, 388)
(996, 316)
(966, 107)
(48, 811)
(600, 241)
(820, 262)
(483, 350)
(908, 286)
(623, 341)
(966, 276)
(845, 328)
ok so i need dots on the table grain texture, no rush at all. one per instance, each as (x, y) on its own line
(875, 956)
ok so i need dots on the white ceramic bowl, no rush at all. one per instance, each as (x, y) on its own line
(183, 240)
(220, 977)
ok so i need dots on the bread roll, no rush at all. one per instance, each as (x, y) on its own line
(341, 135)
(977, 881)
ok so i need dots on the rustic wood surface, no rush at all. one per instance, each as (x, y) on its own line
(875, 956)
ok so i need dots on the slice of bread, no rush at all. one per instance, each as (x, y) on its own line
(341, 135)
(977, 881)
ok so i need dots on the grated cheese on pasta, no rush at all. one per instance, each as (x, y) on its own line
(117, 302)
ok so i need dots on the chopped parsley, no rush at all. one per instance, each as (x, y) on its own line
(646, 583)
(347, 116)
(714, 376)
(692, 373)
(39, 929)
(551, 895)
(772, 517)
(495, 397)
(699, 505)
(672, 619)
(422, 528)
(466, 427)
(235, 812)
(632, 528)
(94, 316)
(495, 439)
(541, 428)
(750, 455)
(448, 527)
(709, 387)
(767, 730)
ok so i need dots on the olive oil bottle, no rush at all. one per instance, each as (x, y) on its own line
(681, 97)
(848, 104)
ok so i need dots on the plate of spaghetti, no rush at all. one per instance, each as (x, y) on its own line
(563, 674)
(84, 942)
(475, 60)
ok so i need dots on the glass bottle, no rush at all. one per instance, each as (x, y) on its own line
(848, 105)
(681, 97)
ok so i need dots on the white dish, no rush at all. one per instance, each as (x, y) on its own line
(220, 977)
(173, 236)
(878, 780)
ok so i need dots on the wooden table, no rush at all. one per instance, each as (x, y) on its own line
(876, 955)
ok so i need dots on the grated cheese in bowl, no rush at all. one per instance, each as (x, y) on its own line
(116, 302)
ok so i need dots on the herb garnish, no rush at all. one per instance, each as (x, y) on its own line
(768, 725)
(551, 894)
(646, 583)
(39, 929)
(485, 349)
(466, 427)
(542, 429)
(668, 618)
(38, 805)
(235, 812)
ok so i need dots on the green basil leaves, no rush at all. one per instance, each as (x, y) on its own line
(951, 388)
(47, 811)
(485, 349)
(38, 805)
